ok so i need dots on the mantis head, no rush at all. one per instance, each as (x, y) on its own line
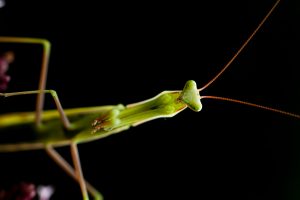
(191, 96)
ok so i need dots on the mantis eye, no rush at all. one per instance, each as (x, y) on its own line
(191, 96)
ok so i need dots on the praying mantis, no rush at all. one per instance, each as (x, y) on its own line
(98, 87)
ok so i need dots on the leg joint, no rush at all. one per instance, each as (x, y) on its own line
(53, 93)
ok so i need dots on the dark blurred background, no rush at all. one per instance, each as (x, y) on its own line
(110, 53)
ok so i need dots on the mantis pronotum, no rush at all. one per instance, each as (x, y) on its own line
(99, 88)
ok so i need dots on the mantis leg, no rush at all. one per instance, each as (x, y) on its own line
(78, 170)
(70, 171)
(62, 114)
(44, 68)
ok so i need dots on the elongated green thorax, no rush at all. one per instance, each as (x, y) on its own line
(102, 121)
(164, 105)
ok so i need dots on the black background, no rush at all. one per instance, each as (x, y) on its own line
(127, 52)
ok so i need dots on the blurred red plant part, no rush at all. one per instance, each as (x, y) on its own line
(21, 191)
(5, 60)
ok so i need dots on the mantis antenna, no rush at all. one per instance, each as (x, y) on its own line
(241, 48)
(252, 105)
(229, 63)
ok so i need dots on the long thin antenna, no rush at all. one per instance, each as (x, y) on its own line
(242, 47)
(252, 105)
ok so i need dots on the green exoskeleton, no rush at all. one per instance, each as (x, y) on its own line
(86, 124)
(69, 127)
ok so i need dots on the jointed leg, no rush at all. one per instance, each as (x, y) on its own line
(44, 68)
(62, 114)
(40, 99)
(78, 171)
(70, 171)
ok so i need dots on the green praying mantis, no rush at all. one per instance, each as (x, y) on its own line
(55, 128)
